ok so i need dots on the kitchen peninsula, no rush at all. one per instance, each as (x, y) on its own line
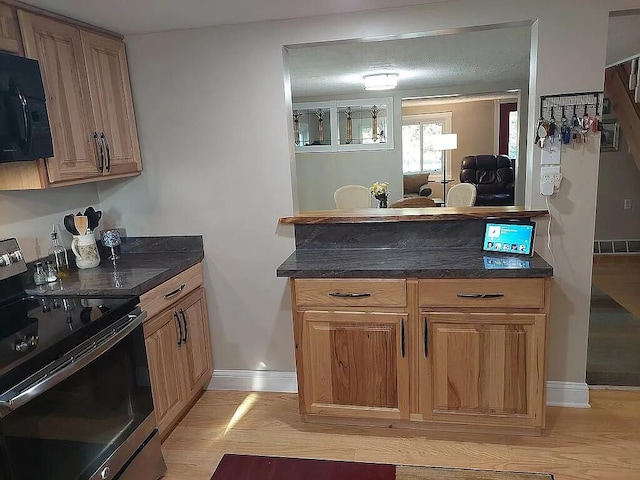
(400, 319)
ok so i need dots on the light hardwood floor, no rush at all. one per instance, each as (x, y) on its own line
(601, 443)
(619, 277)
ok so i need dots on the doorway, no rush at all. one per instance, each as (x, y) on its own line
(613, 355)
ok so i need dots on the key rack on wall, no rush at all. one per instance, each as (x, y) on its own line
(568, 104)
(571, 118)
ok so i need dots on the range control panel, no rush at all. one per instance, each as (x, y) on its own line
(11, 259)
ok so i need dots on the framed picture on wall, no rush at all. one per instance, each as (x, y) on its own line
(606, 106)
(610, 137)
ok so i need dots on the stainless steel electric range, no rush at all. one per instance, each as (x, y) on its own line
(75, 394)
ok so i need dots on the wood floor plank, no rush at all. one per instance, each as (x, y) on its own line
(619, 277)
(601, 443)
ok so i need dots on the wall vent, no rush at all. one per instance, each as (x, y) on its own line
(612, 247)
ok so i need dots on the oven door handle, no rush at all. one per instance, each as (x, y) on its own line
(70, 363)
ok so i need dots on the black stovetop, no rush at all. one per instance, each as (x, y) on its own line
(34, 331)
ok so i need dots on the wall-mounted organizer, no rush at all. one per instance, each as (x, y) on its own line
(569, 118)
(344, 125)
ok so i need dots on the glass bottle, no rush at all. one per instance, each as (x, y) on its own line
(50, 271)
(59, 254)
(39, 277)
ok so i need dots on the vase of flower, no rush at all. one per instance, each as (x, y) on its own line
(380, 191)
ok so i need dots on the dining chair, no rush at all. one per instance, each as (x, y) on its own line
(461, 195)
(413, 202)
(352, 196)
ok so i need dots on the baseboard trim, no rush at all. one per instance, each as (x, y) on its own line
(567, 394)
(559, 394)
(254, 381)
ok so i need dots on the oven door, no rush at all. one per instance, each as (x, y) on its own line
(84, 417)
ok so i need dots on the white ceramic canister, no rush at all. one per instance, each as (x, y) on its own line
(86, 251)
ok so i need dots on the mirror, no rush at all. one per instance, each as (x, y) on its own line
(472, 83)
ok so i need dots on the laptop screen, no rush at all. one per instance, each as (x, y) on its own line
(514, 238)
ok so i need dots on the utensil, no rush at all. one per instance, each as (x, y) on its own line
(69, 224)
(81, 224)
(93, 217)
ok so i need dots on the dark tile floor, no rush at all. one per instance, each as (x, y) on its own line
(613, 356)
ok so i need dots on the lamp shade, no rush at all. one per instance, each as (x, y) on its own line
(381, 81)
(447, 141)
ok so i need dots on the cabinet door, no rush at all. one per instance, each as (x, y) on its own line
(10, 40)
(483, 368)
(162, 334)
(197, 346)
(355, 364)
(111, 100)
(58, 48)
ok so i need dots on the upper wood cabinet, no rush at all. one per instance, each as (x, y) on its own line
(89, 103)
(58, 48)
(10, 40)
(111, 101)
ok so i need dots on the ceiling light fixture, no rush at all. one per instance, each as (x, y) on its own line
(381, 81)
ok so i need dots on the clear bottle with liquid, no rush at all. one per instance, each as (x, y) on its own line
(59, 254)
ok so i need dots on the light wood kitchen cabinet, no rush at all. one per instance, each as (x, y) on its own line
(484, 368)
(445, 354)
(58, 48)
(178, 347)
(111, 102)
(197, 344)
(89, 103)
(10, 40)
(355, 364)
(168, 388)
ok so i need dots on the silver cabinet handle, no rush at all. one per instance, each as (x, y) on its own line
(175, 292)
(69, 364)
(480, 295)
(349, 295)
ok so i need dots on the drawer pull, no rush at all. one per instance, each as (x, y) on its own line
(402, 347)
(480, 295)
(349, 295)
(175, 292)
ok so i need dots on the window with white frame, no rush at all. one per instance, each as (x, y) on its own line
(418, 154)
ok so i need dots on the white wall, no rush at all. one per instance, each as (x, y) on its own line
(320, 174)
(619, 179)
(203, 95)
(29, 215)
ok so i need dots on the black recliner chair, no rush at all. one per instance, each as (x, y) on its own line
(493, 177)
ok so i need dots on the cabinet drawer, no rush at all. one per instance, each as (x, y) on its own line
(483, 293)
(165, 294)
(350, 292)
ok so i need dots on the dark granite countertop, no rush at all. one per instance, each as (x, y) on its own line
(401, 263)
(144, 263)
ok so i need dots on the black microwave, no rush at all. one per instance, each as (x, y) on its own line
(24, 125)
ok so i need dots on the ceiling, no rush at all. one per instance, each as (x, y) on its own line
(144, 16)
(624, 38)
(453, 59)
(471, 58)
